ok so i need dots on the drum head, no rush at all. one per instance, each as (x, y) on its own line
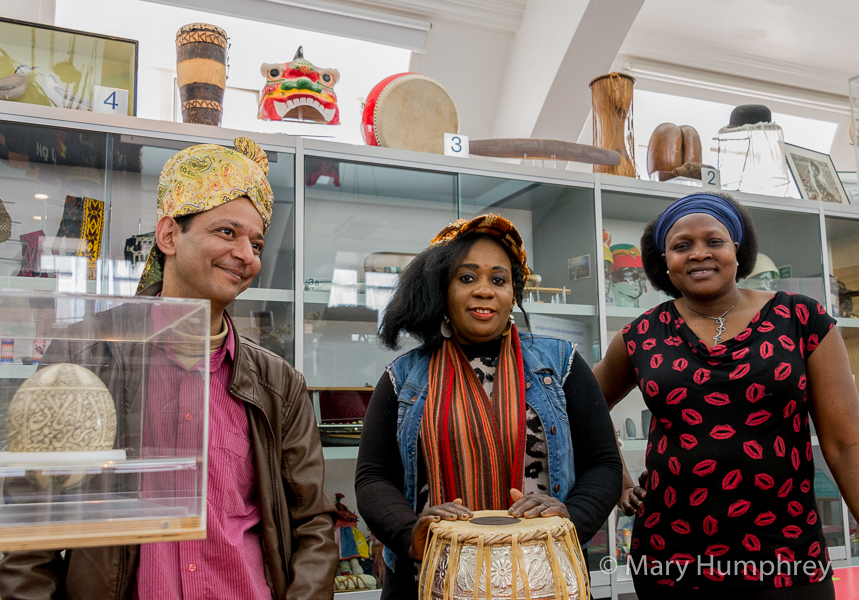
(493, 522)
(413, 113)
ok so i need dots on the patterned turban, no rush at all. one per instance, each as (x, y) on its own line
(496, 226)
(205, 176)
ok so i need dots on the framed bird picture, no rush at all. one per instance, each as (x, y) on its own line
(52, 66)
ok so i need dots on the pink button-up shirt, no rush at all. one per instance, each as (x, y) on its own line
(229, 562)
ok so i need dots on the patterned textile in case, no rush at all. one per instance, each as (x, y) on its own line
(137, 247)
(31, 255)
(83, 221)
(5, 223)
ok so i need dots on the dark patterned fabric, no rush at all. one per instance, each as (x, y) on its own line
(80, 231)
(729, 451)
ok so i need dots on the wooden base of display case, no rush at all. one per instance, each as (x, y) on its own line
(59, 536)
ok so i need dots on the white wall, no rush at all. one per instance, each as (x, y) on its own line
(470, 63)
(37, 11)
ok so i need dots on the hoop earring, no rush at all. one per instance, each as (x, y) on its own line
(446, 331)
(510, 322)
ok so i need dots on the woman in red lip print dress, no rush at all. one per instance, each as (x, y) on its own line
(731, 377)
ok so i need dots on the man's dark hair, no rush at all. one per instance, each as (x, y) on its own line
(420, 300)
(655, 266)
(184, 223)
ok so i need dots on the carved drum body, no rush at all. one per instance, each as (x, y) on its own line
(201, 71)
(516, 558)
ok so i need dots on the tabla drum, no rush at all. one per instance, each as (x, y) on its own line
(201, 71)
(409, 111)
(535, 559)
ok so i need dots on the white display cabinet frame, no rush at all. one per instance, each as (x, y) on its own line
(605, 585)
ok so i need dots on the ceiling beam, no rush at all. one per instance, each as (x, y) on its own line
(595, 45)
(560, 46)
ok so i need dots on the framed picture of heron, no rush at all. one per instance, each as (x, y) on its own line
(51, 66)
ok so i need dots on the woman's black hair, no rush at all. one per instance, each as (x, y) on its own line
(184, 222)
(655, 267)
(420, 300)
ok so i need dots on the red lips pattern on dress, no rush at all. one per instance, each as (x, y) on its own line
(731, 434)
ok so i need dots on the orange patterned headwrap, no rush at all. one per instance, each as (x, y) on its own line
(494, 225)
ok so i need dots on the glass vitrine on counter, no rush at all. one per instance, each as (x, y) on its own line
(104, 407)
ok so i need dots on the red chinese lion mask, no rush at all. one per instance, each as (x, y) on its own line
(298, 91)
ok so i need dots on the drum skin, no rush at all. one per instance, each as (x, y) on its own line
(409, 111)
(368, 131)
(201, 71)
(672, 146)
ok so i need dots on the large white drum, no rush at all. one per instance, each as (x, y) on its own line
(409, 111)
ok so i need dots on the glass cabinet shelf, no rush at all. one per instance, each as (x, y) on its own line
(352, 217)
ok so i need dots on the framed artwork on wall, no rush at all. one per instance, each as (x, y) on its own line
(52, 66)
(815, 175)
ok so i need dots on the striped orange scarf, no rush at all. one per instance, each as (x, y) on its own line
(474, 446)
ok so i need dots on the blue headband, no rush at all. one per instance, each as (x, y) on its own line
(715, 206)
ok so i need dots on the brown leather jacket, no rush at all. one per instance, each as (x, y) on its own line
(297, 517)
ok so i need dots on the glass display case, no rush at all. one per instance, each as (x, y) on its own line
(104, 407)
(348, 219)
(363, 224)
(558, 226)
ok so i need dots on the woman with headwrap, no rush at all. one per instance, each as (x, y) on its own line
(731, 376)
(481, 416)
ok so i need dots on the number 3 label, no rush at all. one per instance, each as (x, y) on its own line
(455, 145)
(710, 178)
(110, 100)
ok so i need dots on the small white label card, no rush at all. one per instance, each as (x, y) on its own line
(710, 177)
(110, 100)
(455, 145)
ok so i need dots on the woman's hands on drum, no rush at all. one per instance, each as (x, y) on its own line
(450, 511)
(631, 497)
(536, 505)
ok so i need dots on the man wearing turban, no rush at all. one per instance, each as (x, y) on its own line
(270, 525)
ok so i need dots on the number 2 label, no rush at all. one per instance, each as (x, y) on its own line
(710, 177)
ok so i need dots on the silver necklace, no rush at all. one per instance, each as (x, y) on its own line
(720, 320)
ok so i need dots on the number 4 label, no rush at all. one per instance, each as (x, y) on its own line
(455, 145)
(710, 177)
(110, 100)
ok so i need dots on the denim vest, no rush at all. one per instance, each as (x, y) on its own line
(546, 363)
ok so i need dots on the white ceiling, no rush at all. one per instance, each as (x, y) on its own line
(814, 35)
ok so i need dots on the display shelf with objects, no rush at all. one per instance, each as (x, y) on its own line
(347, 219)
(88, 458)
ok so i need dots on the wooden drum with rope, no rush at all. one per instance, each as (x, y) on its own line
(535, 559)
(201, 70)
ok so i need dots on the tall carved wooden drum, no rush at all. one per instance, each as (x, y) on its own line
(494, 555)
(611, 97)
(201, 70)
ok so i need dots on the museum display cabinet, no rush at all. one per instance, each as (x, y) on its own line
(105, 433)
(348, 219)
